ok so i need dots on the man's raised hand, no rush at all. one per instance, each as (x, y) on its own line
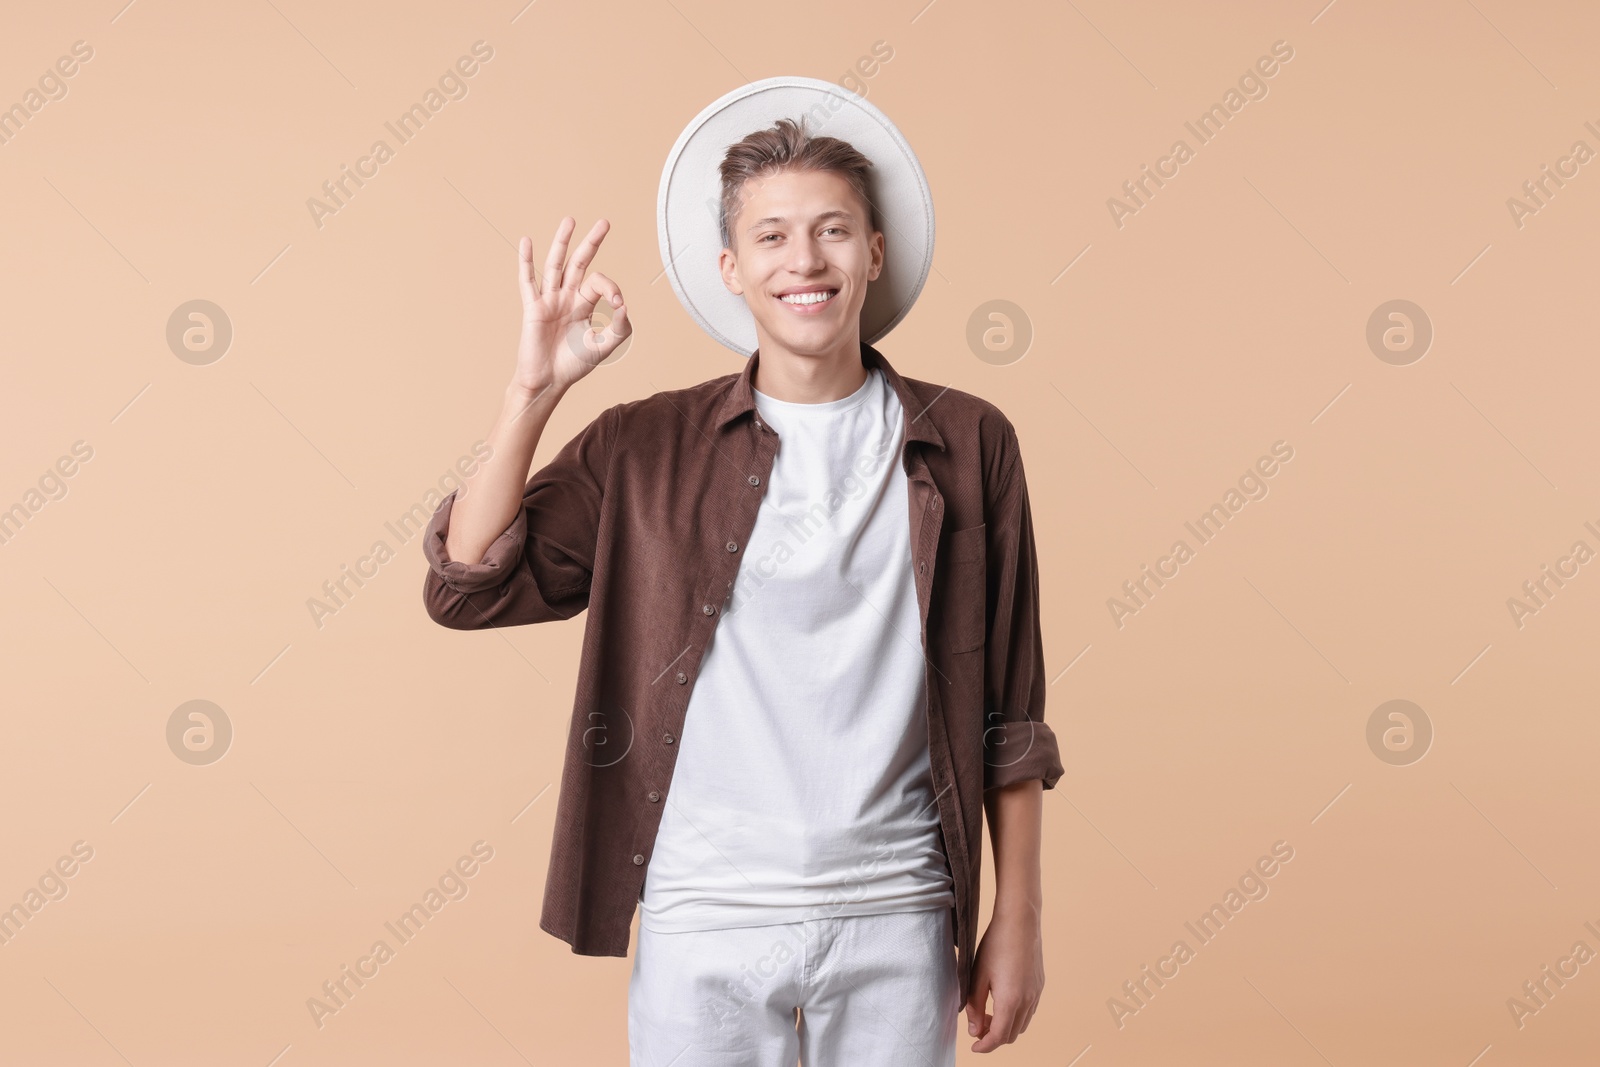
(558, 345)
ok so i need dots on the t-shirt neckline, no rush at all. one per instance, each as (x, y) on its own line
(826, 407)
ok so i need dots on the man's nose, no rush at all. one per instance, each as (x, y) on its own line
(805, 255)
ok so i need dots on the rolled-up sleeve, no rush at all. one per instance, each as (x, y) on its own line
(1017, 745)
(540, 568)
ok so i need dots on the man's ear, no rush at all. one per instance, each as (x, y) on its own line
(726, 261)
(876, 244)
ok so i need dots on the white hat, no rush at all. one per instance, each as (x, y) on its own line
(691, 194)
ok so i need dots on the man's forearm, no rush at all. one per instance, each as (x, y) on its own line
(489, 499)
(1016, 815)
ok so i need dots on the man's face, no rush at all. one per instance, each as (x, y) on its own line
(803, 232)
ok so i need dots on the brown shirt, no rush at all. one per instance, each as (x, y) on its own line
(642, 519)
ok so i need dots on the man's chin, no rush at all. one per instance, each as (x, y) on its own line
(807, 342)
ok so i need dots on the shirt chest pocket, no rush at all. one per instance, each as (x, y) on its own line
(964, 579)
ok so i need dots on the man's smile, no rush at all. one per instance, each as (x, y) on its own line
(808, 300)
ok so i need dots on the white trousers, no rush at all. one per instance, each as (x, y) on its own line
(850, 990)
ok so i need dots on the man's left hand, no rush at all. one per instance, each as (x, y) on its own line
(1010, 964)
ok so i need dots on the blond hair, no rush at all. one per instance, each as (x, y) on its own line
(787, 146)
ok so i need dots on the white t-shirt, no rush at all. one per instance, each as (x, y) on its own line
(803, 787)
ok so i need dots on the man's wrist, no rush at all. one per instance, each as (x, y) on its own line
(1017, 907)
(520, 396)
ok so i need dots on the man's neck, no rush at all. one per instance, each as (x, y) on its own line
(809, 379)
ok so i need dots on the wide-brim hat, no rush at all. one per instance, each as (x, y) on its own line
(691, 193)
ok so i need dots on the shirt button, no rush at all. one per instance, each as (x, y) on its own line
(709, 610)
(922, 568)
(654, 796)
(682, 677)
(755, 479)
(732, 547)
(637, 859)
(667, 739)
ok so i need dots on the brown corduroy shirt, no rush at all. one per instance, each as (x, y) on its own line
(642, 519)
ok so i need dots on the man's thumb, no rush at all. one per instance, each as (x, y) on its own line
(977, 1019)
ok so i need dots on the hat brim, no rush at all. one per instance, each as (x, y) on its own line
(691, 193)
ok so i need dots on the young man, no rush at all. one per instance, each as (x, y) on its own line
(813, 654)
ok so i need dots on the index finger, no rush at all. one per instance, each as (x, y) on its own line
(525, 280)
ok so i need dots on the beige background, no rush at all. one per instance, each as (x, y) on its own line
(1227, 314)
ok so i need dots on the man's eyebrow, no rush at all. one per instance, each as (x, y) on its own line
(836, 213)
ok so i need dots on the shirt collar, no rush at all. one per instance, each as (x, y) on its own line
(919, 423)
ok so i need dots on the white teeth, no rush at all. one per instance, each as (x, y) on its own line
(807, 298)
